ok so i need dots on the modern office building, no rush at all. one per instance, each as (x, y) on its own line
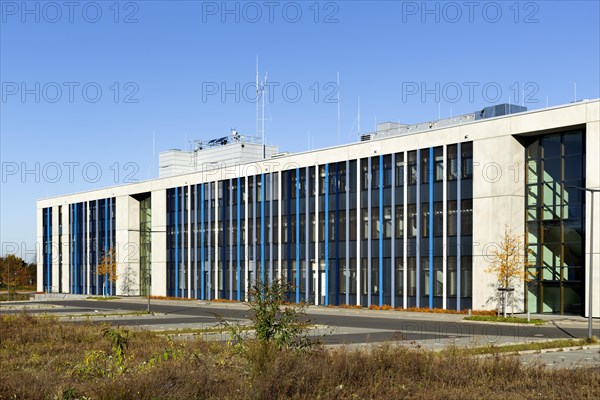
(407, 216)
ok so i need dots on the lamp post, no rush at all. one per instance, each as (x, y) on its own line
(149, 231)
(8, 280)
(590, 274)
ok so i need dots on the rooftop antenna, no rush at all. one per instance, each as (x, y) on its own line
(358, 131)
(338, 108)
(256, 96)
(263, 117)
(153, 153)
(260, 88)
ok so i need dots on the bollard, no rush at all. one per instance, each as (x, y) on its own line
(528, 317)
(469, 312)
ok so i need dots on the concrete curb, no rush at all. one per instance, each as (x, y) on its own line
(58, 296)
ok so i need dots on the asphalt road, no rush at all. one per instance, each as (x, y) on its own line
(342, 326)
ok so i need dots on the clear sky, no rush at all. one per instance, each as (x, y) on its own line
(86, 86)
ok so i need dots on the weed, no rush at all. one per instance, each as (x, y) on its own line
(118, 339)
(274, 321)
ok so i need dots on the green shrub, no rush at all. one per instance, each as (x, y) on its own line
(275, 321)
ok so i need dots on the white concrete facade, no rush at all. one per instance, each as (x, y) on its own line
(498, 200)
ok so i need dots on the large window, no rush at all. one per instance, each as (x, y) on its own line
(387, 222)
(438, 155)
(452, 162)
(375, 223)
(412, 167)
(387, 171)
(399, 222)
(412, 220)
(365, 223)
(375, 173)
(467, 160)
(399, 169)
(365, 175)
(425, 166)
(555, 234)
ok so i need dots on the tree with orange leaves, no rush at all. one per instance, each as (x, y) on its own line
(108, 265)
(508, 264)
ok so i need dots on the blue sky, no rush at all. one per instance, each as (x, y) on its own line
(161, 67)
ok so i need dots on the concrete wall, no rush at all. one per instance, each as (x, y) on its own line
(159, 243)
(40, 249)
(127, 245)
(55, 249)
(498, 196)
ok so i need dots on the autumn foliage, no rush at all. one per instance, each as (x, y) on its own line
(16, 273)
(508, 261)
(108, 265)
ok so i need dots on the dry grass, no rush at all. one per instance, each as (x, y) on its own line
(43, 358)
(224, 301)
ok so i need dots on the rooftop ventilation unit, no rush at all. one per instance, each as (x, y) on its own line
(388, 129)
(499, 111)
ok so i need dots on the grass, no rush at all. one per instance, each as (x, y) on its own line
(519, 347)
(199, 331)
(103, 314)
(47, 358)
(513, 320)
(212, 329)
(102, 298)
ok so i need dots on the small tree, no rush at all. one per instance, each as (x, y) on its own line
(108, 265)
(509, 263)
